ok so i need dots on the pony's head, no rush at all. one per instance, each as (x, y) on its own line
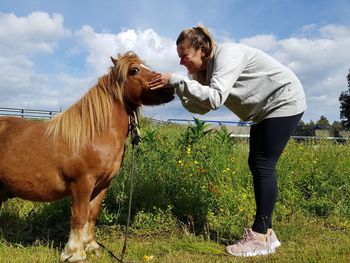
(127, 83)
(133, 77)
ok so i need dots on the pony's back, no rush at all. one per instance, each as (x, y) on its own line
(28, 167)
(12, 129)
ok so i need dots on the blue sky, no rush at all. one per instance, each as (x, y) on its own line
(52, 52)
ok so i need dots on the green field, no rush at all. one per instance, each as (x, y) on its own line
(192, 196)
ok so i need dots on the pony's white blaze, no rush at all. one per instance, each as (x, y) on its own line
(145, 67)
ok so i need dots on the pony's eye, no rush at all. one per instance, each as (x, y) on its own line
(134, 71)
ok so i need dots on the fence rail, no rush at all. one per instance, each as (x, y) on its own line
(28, 113)
(240, 129)
(235, 123)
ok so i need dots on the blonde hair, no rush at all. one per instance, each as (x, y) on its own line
(199, 37)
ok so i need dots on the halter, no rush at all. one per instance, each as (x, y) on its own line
(134, 128)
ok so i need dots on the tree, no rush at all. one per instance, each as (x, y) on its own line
(305, 129)
(336, 127)
(322, 123)
(344, 100)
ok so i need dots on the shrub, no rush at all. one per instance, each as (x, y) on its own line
(205, 178)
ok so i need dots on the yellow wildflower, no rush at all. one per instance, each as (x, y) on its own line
(213, 188)
(147, 258)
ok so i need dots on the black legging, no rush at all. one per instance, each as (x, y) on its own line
(267, 141)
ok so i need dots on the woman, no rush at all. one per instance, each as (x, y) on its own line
(256, 88)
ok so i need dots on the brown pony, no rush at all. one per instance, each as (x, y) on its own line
(78, 152)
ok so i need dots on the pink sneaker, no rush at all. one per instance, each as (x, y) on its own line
(250, 245)
(274, 242)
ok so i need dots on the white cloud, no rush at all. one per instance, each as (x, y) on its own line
(158, 52)
(308, 28)
(334, 31)
(263, 42)
(35, 33)
(21, 38)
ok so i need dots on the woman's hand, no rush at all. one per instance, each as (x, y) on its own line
(160, 80)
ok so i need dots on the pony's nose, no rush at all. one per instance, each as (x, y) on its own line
(182, 62)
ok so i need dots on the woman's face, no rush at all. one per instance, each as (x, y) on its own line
(192, 59)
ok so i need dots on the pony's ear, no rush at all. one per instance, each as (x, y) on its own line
(114, 61)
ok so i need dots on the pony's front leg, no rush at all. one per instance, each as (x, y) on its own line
(74, 249)
(94, 209)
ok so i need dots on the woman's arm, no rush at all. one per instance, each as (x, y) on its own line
(229, 62)
(193, 107)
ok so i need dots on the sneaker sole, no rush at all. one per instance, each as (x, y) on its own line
(252, 254)
(264, 252)
(275, 245)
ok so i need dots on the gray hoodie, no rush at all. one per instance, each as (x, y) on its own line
(247, 81)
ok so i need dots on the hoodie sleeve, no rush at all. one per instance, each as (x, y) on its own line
(229, 62)
(193, 107)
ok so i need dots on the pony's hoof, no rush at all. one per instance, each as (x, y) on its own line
(93, 247)
(97, 252)
(74, 257)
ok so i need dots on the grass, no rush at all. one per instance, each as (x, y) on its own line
(303, 240)
(193, 196)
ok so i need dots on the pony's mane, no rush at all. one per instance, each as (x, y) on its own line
(92, 114)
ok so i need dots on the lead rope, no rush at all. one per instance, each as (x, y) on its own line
(135, 140)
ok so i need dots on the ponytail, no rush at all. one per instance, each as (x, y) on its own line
(198, 37)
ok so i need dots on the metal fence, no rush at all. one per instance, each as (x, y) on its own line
(240, 129)
(28, 113)
(237, 129)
